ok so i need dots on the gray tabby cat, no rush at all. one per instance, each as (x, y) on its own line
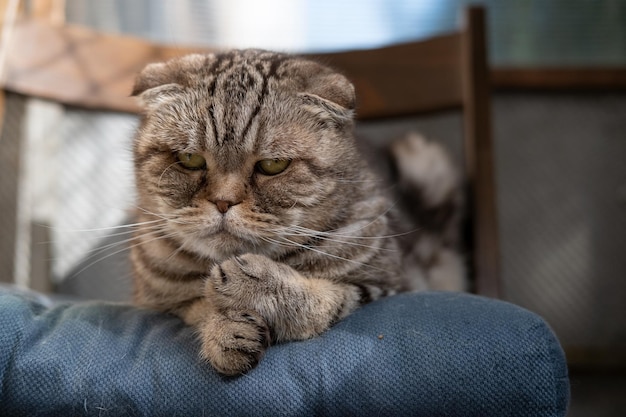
(260, 222)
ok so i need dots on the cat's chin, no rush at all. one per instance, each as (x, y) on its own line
(220, 246)
(223, 245)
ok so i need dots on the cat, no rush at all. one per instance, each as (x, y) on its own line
(260, 222)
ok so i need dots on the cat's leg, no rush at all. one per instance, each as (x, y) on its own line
(293, 306)
(232, 340)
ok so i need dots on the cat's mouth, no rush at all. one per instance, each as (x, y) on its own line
(231, 234)
(228, 230)
(218, 241)
(217, 231)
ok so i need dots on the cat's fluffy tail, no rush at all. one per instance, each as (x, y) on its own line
(430, 194)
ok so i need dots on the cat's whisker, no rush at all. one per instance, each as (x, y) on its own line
(316, 233)
(147, 228)
(101, 229)
(166, 236)
(161, 215)
(102, 248)
(151, 227)
(274, 241)
(173, 218)
(342, 240)
(341, 243)
(110, 235)
(381, 215)
(291, 244)
(364, 181)
(321, 252)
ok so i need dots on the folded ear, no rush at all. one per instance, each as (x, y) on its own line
(154, 97)
(329, 85)
(157, 83)
(333, 87)
(330, 93)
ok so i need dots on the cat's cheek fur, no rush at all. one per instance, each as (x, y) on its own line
(167, 186)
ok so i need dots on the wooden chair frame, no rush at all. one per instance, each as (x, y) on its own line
(76, 66)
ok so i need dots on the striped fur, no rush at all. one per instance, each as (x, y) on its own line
(244, 257)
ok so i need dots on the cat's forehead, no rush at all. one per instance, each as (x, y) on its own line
(234, 59)
(245, 91)
(240, 69)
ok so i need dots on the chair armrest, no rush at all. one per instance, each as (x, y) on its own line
(412, 354)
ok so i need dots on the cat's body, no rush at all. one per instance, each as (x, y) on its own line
(259, 220)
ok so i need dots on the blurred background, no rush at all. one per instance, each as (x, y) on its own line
(560, 153)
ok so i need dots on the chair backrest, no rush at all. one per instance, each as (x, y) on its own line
(77, 66)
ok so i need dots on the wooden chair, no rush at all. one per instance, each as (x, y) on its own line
(79, 67)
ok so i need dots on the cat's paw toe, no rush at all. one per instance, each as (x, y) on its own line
(236, 343)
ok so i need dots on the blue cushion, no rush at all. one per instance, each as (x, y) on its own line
(430, 354)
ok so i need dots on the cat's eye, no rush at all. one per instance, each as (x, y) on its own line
(272, 166)
(191, 160)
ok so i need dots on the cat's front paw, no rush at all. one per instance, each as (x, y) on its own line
(235, 341)
(247, 282)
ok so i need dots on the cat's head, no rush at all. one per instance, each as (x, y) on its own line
(241, 151)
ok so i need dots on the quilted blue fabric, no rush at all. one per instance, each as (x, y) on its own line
(424, 354)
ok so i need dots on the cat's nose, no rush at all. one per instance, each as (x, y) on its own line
(223, 205)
